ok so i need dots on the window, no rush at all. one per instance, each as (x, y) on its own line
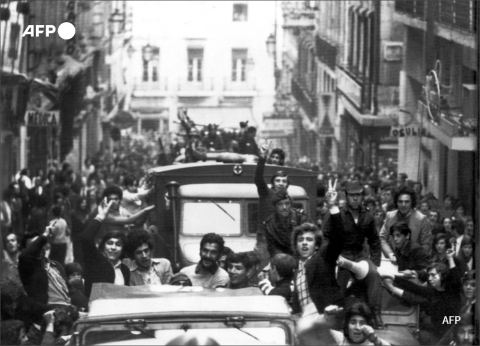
(195, 59)
(151, 57)
(239, 64)
(240, 12)
(206, 216)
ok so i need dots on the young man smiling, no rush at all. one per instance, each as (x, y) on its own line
(143, 269)
(207, 273)
(240, 269)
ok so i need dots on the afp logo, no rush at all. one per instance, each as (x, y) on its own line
(65, 30)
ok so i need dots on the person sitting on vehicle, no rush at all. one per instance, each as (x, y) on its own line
(279, 226)
(212, 141)
(194, 149)
(223, 257)
(207, 273)
(104, 264)
(357, 327)
(281, 272)
(240, 269)
(411, 257)
(247, 144)
(439, 299)
(277, 157)
(315, 277)
(145, 270)
(279, 181)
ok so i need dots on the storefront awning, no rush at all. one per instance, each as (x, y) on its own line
(224, 117)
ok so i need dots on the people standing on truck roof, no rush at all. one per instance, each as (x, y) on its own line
(133, 198)
(279, 181)
(316, 285)
(357, 327)
(145, 270)
(405, 201)
(277, 278)
(240, 268)
(247, 144)
(207, 273)
(212, 141)
(104, 264)
(279, 226)
(359, 226)
(194, 149)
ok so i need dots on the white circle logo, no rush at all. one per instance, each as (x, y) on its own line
(66, 30)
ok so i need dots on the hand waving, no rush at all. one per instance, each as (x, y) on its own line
(104, 207)
(331, 195)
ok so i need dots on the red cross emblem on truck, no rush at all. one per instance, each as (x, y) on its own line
(237, 169)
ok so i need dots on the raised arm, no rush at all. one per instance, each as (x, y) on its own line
(336, 227)
(126, 220)
(259, 180)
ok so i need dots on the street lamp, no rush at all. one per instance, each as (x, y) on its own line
(115, 22)
(271, 44)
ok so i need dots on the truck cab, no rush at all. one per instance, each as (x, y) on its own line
(198, 198)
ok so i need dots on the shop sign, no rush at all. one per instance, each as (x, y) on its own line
(393, 51)
(42, 118)
(407, 131)
(278, 127)
(349, 87)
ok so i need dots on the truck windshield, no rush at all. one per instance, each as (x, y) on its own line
(205, 216)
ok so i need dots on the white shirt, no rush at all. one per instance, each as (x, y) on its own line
(119, 279)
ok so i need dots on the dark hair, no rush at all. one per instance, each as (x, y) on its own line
(280, 174)
(306, 227)
(380, 210)
(113, 190)
(321, 190)
(435, 211)
(28, 236)
(5, 239)
(358, 308)
(285, 265)
(63, 317)
(240, 257)
(10, 332)
(369, 200)
(9, 291)
(73, 267)
(441, 269)
(458, 226)
(401, 227)
(405, 191)
(438, 237)
(468, 275)
(213, 238)
(466, 240)
(280, 153)
(135, 239)
(57, 211)
(110, 235)
(129, 180)
(251, 129)
(226, 251)
(450, 196)
(466, 319)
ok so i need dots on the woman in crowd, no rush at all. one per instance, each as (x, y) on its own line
(357, 327)
(439, 299)
(465, 255)
(447, 224)
(104, 264)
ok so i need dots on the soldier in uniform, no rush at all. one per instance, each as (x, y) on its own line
(279, 226)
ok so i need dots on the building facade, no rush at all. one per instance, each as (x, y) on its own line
(202, 57)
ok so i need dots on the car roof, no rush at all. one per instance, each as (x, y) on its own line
(111, 302)
(232, 191)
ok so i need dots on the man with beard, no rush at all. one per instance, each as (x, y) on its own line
(359, 226)
(279, 181)
(279, 226)
(405, 201)
(143, 269)
(207, 272)
(10, 258)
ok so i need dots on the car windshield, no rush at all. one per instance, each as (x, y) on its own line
(205, 216)
(250, 334)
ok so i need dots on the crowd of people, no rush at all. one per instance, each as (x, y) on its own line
(62, 232)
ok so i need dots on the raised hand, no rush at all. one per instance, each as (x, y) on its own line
(450, 253)
(393, 258)
(104, 207)
(332, 310)
(264, 148)
(331, 195)
(369, 333)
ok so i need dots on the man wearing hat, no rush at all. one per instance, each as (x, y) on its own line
(358, 226)
(279, 226)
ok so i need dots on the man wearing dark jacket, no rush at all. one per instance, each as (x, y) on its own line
(359, 225)
(280, 275)
(279, 226)
(43, 279)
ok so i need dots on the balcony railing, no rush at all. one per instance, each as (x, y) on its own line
(160, 85)
(326, 52)
(229, 85)
(205, 85)
(460, 14)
